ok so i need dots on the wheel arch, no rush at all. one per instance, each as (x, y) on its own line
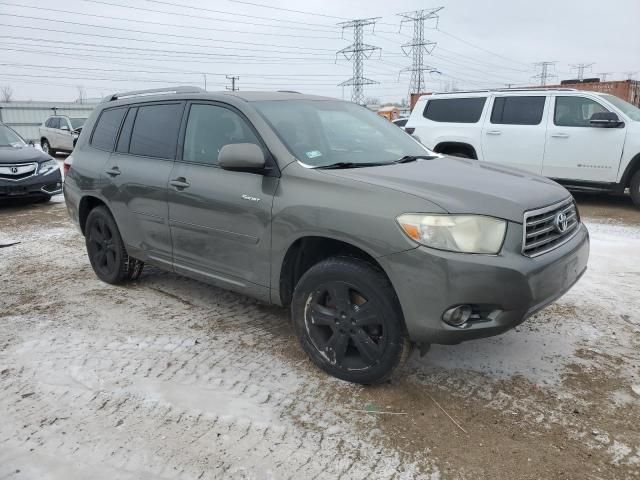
(309, 250)
(88, 203)
(632, 167)
(447, 146)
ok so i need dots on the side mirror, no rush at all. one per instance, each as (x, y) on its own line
(605, 120)
(241, 157)
(65, 128)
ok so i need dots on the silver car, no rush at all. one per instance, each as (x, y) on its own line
(59, 133)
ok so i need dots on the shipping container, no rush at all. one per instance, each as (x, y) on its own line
(26, 117)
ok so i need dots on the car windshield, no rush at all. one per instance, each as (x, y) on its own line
(627, 108)
(9, 138)
(325, 133)
(77, 122)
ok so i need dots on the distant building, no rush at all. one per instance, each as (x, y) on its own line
(26, 117)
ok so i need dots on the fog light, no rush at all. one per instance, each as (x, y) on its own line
(457, 316)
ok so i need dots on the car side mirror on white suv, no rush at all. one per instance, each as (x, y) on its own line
(605, 120)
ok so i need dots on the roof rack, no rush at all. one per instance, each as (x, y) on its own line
(153, 91)
(522, 89)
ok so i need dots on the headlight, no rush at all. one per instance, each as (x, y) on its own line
(48, 167)
(75, 135)
(456, 233)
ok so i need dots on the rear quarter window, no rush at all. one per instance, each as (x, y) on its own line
(104, 135)
(455, 110)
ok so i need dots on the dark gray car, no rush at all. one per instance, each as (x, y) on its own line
(375, 242)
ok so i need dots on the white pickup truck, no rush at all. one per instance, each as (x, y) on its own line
(586, 141)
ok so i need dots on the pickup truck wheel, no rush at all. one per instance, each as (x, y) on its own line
(348, 320)
(105, 248)
(634, 188)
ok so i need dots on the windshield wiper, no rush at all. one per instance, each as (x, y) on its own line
(351, 165)
(413, 158)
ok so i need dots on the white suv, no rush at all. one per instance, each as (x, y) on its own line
(585, 140)
(59, 133)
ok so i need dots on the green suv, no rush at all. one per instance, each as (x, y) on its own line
(374, 242)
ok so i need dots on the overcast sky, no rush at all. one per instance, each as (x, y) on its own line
(48, 49)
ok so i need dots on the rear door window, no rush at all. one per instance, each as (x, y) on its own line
(125, 133)
(525, 110)
(104, 135)
(155, 130)
(455, 110)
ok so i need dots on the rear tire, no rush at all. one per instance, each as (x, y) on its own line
(107, 254)
(634, 188)
(348, 319)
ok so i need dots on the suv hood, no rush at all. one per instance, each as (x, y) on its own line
(464, 186)
(22, 155)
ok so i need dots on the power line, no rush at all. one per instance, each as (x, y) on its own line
(418, 46)
(603, 76)
(163, 34)
(631, 75)
(581, 68)
(544, 74)
(357, 52)
(479, 47)
(190, 27)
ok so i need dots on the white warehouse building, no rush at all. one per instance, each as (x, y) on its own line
(26, 117)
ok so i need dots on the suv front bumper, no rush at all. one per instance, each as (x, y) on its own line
(506, 288)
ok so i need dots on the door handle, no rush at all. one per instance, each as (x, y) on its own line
(494, 132)
(180, 183)
(560, 135)
(114, 172)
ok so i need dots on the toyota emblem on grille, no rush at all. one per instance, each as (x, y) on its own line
(561, 222)
(14, 170)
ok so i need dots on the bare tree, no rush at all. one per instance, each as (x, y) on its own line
(6, 93)
(82, 94)
(372, 101)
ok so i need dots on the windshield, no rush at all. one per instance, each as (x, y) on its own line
(628, 109)
(9, 138)
(77, 122)
(323, 133)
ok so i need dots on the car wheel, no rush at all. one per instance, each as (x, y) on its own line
(46, 148)
(106, 251)
(348, 320)
(634, 188)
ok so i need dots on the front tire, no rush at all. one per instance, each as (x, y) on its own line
(348, 320)
(46, 147)
(634, 189)
(105, 248)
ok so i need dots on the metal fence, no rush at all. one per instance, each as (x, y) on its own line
(26, 117)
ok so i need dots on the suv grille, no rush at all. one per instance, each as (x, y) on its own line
(18, 171)
(548, 228)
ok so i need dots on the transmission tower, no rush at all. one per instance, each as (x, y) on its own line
(418, 46)
(580, 68)
(603, 76)
(357, 52)
(544, 74)
(630, 75)
(233, 86)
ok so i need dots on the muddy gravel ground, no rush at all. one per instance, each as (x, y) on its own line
(169, 378)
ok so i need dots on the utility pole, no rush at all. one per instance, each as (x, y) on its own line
(204, 75)
(544, 74)
(233, 79)
(418, 46)
(581, 67)
(357, 52)
(603, 76)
